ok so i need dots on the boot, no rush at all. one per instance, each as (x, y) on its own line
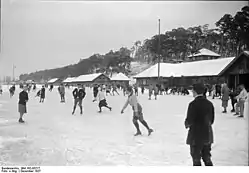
(150, 131)
(138, 133)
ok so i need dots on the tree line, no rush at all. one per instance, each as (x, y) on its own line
(229, 38)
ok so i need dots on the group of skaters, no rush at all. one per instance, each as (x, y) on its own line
(79, 94)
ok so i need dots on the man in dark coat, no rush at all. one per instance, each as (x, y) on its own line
(78, 94)
(42, 96)
(200, 117)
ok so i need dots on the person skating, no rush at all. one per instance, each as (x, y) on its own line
(62, 93)
(34, 87)
(137, 112)
(136, 90)
(142, 89)
(78, 94)
(42, 96)
(199, 121)
(156, 90)
(51, 87)
(102, 100)
(114, 89)
(12, 91)
(95, 92)
(22, 104)
(1, 90)
(150, 91)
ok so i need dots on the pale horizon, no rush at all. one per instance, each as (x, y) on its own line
(39, 35)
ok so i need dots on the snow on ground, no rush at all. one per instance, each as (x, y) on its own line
(52, 136)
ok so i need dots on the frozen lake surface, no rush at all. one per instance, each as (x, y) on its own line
(52, 136)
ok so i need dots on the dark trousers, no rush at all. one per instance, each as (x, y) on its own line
(233, 102)
(199, 152)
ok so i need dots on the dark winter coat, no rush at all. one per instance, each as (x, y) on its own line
(200, 117)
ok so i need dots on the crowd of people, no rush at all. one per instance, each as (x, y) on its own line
(200, 135)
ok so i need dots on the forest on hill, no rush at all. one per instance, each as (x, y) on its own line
(229, 38)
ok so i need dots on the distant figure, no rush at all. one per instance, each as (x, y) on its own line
(114, 90)
(142, 89)
(108, 90)
(51, 87)
(1, 90)
(225, 91)
(12, 91)
(34, 87)
(78, 94)
(150, 91)
(102, 100)
(22, 107)
(137, 112)
(199, 120)
(62, 93)
(232, 96)
(95, 92)
(156, 91)
(136, 90)
(42, 96)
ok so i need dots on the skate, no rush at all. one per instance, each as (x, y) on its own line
(21, 121)
(110, 109)
(138, 133)
(150, 131)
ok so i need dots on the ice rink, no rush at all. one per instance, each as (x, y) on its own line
(53, 136)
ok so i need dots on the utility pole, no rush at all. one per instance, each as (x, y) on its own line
(14, 73)
(159, 52)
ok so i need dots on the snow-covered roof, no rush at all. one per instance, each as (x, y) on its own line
(204, 52)
(53, 80)
(197, 68)
(120, 77)
(69, 79)
(86, 78)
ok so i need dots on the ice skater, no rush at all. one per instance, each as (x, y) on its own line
(156, 90)
(78, 94)
(1, 90)
(12, 91)
(136, 90)
(22, 104)
(137, 112)
(150, 91)
(102, 100)
(95, 92)
(61, 90)
(114, 90)
(42, 95)
(51, 87)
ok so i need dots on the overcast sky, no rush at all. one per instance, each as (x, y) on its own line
(38, 35)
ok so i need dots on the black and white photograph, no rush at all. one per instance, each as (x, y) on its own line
(124, 83)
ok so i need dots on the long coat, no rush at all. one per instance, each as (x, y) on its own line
(225, 91)
(200, 117)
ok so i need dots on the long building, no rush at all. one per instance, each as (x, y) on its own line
(233, 70)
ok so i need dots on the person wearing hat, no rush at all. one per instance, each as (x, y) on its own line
(225, 91)
(137, 111)
(42, 96)
(199, 120)
(22, 107)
